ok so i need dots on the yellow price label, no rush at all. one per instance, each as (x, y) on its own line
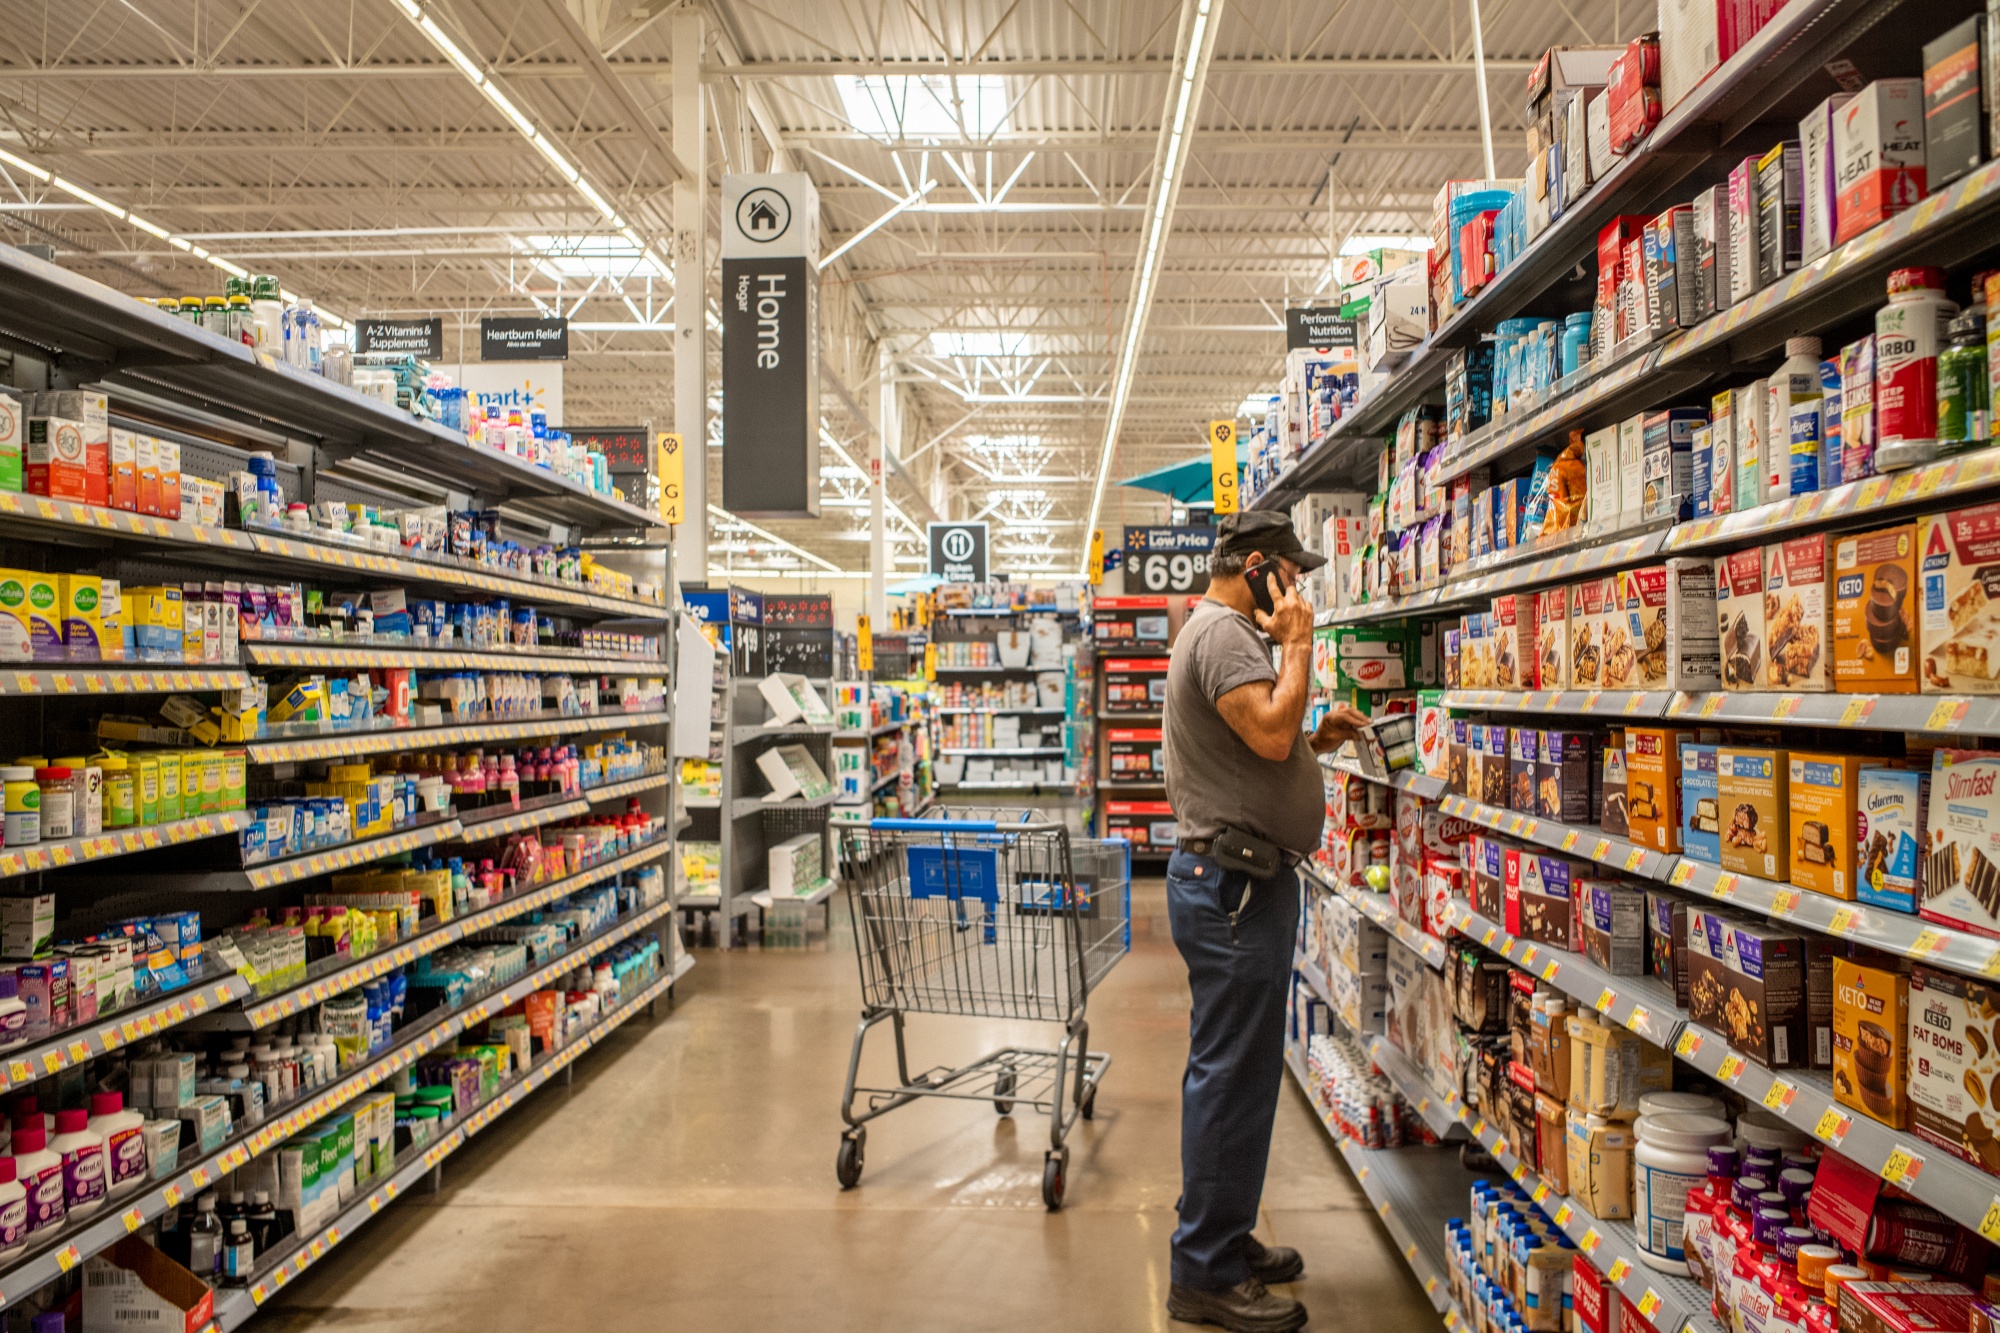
(1688, 1044)
(1784, 902)
(1947, 714)
(1928, 941)
(1903, 1167)
(1649, 1304)
(1605, 999)
(1725, 886)
(1844, 920)
(1591, 1240)
(1712, 704)
(1778, 1097)
(864, 643)
(1731, 1068)
(1858, 709)
(1541, 1192)
(1601, 850)
(1833, 1125)
(1635, 858)
(1619, 1270)
(1989, 1225)
(1636, 1020)
(1549, 972)
(1563, 1215)
(1569, 840)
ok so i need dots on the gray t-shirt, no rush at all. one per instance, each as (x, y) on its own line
(1214, 780)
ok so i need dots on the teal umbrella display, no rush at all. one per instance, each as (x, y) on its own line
(1190, 482)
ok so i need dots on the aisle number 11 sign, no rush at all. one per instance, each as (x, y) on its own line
(1222, 458)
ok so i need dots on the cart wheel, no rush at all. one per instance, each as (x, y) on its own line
(848, 1167)
(1052, 1182)
(1003, 1083)
(1090, 1105)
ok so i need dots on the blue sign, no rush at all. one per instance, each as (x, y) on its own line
(1171, 560)
(956, 873)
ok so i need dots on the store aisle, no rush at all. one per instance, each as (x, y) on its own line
(687, 1179)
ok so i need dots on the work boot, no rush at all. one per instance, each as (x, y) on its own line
(1272, 1264)
(1246, 1307)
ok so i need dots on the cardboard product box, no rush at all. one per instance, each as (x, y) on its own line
(1547, 896)
(1875, 606)
(1613, 921)
(1478, 649)
(1742, 217)
(1369, 657)
(56, 459)
(1591, 609)
(1711, 239)
(1668, 463)
(1753, 486)
(1701, 810)
(1671, 608)
(1523, 755)
(1822, 791)
(1962, 870)
(1752, 790)
(1600, 1180)
(1611, 1069)
(1566, 776)
(1879, 155)
(1603, 510)
(1747, 981)
(1488, 858)
(1495, 773)
(1907, 1307)
(1819, 189)
(79, 608)
(1798, 631)
(1960, 568)
(1953, 1063)
(124, 470)
(1433, 739)
(1552, 643)
(1611, 785)
(1777, 213)
(1514, 654)
(1632, 470)
(1666, 940)
(1620, 670)
(1871, 1024)
(1703, 471)
(1725, 424)
(1891, 836)
(1653, 787)
(134, 1285)
(1955, 103)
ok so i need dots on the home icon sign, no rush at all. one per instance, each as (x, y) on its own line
(763, 215)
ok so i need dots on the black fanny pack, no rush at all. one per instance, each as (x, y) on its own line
(1237, 850)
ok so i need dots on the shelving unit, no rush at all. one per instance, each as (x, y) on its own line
(164, 375)
(1029, 781)
(750, 825)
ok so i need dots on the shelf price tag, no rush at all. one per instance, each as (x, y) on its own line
(1649, 1304)
(1858, 710)
(1636, 1020)
(1784, 902)
(1549, 972)
(1712, 704)
(1601, 850)
(1989, 1225)
(1903, 1167)
(1928, 941)
(1541, 1192)
(1947, 714)
(1778, 1097)
(1731, 1068)
(1563, 1215)
(1620, 1269)
(1605, 999)
(1725, 886)
(1688, 1044)
(1569, 840)
(1635, 858)
(1590, 1241)
(1833, 1126)
(1844, 920)
(1683, 873)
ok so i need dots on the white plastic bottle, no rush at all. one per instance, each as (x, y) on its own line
(1795, 382)
(82, 1153)
(1671, 1159)
(1750, 470)
(1910, 331)
(124, 1135)
(13, 1212)
(41, 1175)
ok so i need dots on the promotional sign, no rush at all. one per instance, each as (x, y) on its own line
(958, 552)
(512, 338)
(400, 337)
(1222, 457)
(627, 450)
(864, 644)
(770, 345)
(1318, 326)
(503, 388)
(672, 473)
(1168, 559)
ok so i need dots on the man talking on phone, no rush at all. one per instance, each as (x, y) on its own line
(1249, 801)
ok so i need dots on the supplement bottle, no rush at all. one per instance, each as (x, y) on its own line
(1671, 1159)
(204, 1239)
(1962, 403)
(58, 803)
(121, 808)
(1909, 333)
(41, 1175)
(239, 1252)
(13, 1212)
(1792, 384)
(23, 818)
(87, 780)
(124, 1135)
(82, 1154)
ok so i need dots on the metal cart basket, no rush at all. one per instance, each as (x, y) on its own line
(984, 913)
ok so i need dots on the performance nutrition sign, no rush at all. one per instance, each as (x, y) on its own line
(770, 345)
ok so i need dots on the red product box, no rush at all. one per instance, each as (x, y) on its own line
(1589, 1297)
(1612, 239)
(1905, 1307)
(1511, 859)
(1629, 1318)
(1634, 91)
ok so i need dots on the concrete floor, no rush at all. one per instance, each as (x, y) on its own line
(686, 1180)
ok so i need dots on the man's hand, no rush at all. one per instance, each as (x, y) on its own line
(1340, 724)
(1290, 622)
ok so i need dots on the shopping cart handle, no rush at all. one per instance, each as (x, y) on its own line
(924, 825)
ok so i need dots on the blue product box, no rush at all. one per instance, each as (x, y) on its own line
(1704, 464)
(1889, 835)
(1701, 819)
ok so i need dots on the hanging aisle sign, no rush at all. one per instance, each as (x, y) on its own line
(958, 552)
(400, 337)
(1096, 557)
(864, 644)
(672, 472)
(770, 345)
(1318, 326)
(1222, 457)
(513, 339)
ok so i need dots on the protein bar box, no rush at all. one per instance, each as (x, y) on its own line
(1747, 981)
(1798, 634)
(1875, 612)
(1954, 1064)
(1752, 791)
(1962, 870)
(1961, 601)
(1823, 791)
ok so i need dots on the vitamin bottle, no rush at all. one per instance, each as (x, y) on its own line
(1909, 333)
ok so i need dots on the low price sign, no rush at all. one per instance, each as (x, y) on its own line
(1168, 559)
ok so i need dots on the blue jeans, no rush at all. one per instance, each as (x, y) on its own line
(1236, 1055)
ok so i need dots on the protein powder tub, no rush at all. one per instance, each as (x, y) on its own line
(1671, 1159)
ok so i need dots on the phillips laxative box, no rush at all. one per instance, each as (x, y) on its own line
(1823, 791)
(1875, 605)
(1552, 645)
(1739, 618)
(1878, 154)
(1798, 630)
(1960, 555)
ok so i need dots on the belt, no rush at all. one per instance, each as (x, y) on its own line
(1196, 846)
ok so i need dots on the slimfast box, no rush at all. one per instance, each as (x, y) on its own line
(1962, 870)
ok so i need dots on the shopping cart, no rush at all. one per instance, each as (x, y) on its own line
(985, 914)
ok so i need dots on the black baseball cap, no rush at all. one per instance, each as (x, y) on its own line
(1266, 531)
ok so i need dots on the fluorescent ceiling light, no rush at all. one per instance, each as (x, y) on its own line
(1356, 245)
(920, 106)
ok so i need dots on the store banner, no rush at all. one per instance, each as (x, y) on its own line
(958, 552)
(1318, 326)
(1168, 559)
(522, 388)
(509, 338)
(421, 338)
(770, 345)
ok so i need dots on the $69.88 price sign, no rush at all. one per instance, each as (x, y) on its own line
(1161, 560)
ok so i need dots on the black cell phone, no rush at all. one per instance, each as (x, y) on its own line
(1259, 578)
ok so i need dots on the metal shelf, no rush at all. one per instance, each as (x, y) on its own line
(346, 744)
(623, 787)
(501, 821)
(1590, 843)
(418, 658)
(990, 670)
(1012, 786)
(113, 678)
(1585, 552)
(1428, 786)
(870, 733)
(1016, 750)
(1377, 908)
(998, 712)
(270, 874)
(766, 730)
(118, 842)
(1579, 703)
(750, 805)
(764, 898)
(107, 1032)
(234, 1305)
(1638, 1004)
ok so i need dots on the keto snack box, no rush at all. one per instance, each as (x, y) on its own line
(1552, 644)
(1524, 747)
(1739, 618)
(1875, 611)
(1871, 1026)
(1962, 870)
(1961, 600)
(1653, 787)
(1610, 919)
(1701, 812)
(1611, 785)
(1594, 608)
(1666, 940)
(1566, 776)
(1954, 1064)
(1889, 836)
(1746, 980)
(1798, 636)
(1514, 640)
(1822, 791)
(1752, 792)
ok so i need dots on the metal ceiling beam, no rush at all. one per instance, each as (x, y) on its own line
(600, 73)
